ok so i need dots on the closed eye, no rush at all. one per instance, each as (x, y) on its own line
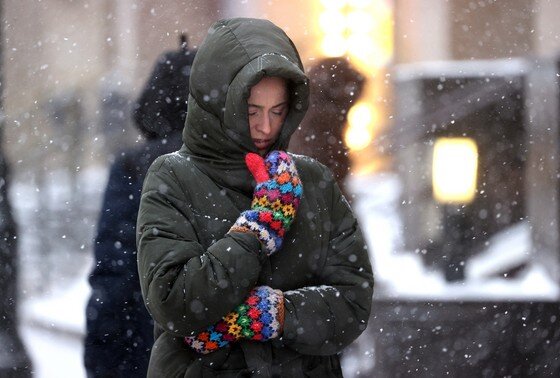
(253, 110)
(279, 110)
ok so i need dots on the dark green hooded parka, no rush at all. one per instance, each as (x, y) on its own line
(192, 272)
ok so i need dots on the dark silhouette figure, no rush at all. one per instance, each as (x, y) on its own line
(334, 87)
(14, 361)
(119, 329)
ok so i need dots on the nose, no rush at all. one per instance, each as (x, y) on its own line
(265, 125)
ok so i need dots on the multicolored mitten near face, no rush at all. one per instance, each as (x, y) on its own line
(259, 318)
(275, 200)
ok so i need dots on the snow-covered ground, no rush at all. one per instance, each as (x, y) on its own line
(53, 353)
(54, 262)
(53, 311)
(52, 326)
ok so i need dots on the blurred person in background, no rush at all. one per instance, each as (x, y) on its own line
(119, 329)
(335, 86)
(250, 259)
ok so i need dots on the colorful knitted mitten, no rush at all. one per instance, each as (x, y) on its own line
(275, 199)
(259, 318)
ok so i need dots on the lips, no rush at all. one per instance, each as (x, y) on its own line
(261, 144)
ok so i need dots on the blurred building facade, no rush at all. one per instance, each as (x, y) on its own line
(72, 71)
(514, 41)
(484, 72)
(466, 30)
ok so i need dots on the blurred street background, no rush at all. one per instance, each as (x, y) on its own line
(453, 146)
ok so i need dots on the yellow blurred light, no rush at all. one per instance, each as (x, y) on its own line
(362, 30)
(334, 45)
(360, 114)
(360, 3)
(381, 9)
(360, 124)
(370, 36)
(358, 138)
(332, 22)
(361, 46)
(333, 4)
(359, 22)
(454, 170)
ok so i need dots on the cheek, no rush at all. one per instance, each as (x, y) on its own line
(278, 127)
(279, 124)
(252, 127)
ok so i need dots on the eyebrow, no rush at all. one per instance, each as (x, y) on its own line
(275, 106)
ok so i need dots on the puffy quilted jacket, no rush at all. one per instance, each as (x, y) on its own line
(192, 272)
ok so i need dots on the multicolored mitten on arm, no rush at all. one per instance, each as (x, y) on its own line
(260, 318)
(275, 199)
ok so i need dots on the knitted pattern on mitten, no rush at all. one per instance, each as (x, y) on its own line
(259, 318)
(276, 199)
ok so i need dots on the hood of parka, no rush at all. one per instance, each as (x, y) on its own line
(235, 55)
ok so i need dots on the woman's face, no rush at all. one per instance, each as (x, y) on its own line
(268, 107)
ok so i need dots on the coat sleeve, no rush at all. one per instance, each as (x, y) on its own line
(322, 320)
(185, 286)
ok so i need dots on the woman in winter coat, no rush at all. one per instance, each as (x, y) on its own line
(250, 259)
